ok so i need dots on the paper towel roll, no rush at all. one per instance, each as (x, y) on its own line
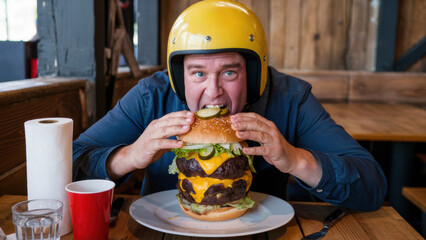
(49, 161)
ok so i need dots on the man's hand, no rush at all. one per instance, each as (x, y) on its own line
(151, 145)
(275, 149)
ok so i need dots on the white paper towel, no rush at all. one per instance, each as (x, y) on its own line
(49, 162)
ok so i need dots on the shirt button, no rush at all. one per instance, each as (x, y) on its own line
(319, 190)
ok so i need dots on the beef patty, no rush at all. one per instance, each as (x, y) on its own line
(230, 169)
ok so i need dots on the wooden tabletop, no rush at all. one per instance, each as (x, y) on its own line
(416, 195)
(380, 122)
(384, 223)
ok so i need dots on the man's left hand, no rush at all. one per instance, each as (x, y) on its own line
(274, 148)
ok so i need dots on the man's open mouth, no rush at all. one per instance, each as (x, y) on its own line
(215, 106)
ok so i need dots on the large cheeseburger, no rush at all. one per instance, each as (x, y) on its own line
(214, 174)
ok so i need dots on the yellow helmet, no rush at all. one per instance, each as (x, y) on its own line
(214, 26)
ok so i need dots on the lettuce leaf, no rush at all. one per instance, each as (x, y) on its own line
(173, 169)
(244, 203)
(241, 204)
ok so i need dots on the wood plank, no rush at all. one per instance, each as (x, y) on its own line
(370, 61)
(357, 86)
(127, 228)
(124, 80)
(339, 28)
(411, 28)
(385, 223)
(129, 55)
(310, 218)
(365, 121)
(327, 86)
(416, 195)
(112, 13)
(6, 203)
(166, 22)
(324, 36)
(117, 43)
(418, 24)
(357, 35)
(193, 1)
(263, 11)
(276, 39)
(289, 231)
(12, 140)
(308, 31)
(292, 33)
(14, 181)
(388, 87)
(22, 90)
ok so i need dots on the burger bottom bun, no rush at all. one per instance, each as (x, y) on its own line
(220, 214)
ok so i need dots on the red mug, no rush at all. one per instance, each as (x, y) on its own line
(90, 206)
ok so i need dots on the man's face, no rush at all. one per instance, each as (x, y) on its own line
(215, 79)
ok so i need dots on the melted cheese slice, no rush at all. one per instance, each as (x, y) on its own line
(209, 166)
(200, 184)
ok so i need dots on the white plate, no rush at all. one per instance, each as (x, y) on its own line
(160, 211)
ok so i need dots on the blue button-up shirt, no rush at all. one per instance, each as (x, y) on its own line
(351, 177)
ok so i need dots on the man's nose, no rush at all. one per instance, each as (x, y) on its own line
(213, 88)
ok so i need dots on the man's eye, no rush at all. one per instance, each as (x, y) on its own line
(229, 73)
(199, 74)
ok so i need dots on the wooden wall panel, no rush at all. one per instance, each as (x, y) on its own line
(276, 40)
(327, 86)
(326, 34)
(125, 80)
(262, 10)
(308, 34)
(363, 86)
(358, 30)
(411, 29)
(388, 88)
(339, 35)
(291, 34)
(324, 37)
(21, 101)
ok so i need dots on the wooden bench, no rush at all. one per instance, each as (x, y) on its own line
(30, 99)
(371, 87)
(417, 196)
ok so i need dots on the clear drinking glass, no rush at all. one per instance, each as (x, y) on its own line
(37, 219)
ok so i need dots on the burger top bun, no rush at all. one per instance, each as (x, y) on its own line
(213, 130)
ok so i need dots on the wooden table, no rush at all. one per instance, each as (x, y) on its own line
(402, 125)
(380, 122)
(417, 195)
(384, 223)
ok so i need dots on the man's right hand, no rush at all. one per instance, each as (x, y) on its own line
(151, 145)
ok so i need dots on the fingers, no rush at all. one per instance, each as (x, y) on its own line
(263, 138)
(160, 144)
(172, 124)
(253, 127)
(250, 121)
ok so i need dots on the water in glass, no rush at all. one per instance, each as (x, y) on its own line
(37, 220)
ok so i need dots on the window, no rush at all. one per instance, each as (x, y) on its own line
(18, 20)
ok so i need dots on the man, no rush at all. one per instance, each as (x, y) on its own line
(217, 56)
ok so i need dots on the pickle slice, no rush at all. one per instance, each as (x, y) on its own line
(223, 112)
(207, 113)
(206, 153)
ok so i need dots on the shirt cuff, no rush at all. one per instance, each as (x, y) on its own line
(334, 186)
(102, 169)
